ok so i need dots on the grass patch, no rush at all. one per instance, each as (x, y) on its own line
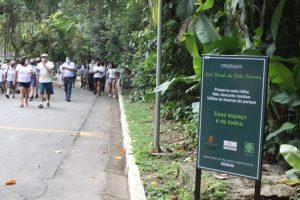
(159, 174)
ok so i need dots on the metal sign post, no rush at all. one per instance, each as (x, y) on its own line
(158, 79)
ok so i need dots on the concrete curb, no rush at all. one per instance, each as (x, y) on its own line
(135, 185)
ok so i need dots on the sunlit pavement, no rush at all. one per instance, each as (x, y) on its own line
(70, 151)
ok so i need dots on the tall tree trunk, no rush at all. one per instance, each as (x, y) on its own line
(287, 42)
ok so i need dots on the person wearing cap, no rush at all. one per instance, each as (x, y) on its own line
(68, 73)
(45, 69)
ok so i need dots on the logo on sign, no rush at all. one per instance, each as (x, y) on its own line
(230, 145)
(210, 139)
(249, 147)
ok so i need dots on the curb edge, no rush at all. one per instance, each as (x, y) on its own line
(135, 185)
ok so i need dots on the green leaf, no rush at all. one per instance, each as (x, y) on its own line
(296, 72)
(281, 75)
(206, 6)
(292, 155)
(169, 84)
(195, 107)
(231, 5)
(276, 18)
(285, 127)
(197, 66)
(292, 100)
(293, 174)
(185, 8)
(225, 45)
(293, 60)
(271, 49)
(155, 12)
(295, 143)
(149, 96)
(191, 44)
(205, 30)
(252, 52)
(257, 38)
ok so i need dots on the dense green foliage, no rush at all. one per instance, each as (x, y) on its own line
(80, 29)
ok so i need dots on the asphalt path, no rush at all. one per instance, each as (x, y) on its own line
(69, 151)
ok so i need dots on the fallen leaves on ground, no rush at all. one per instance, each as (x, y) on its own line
(189, 160)
(122, 151)
(154, 183)
(174, 197)
(118, 157)
(59, 151)
(289, 182)
(11, 182)
(221, 176)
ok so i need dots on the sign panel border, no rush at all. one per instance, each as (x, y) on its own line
(265, 59)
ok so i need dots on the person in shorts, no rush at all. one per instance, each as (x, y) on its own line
(45, 69)
(99, 77)
(111, 77)
(10, 74)
(23, 78)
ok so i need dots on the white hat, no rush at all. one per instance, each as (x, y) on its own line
(44, 55)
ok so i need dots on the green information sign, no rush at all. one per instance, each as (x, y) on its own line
(233, 95)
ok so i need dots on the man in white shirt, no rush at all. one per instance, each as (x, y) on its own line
(45, 69)
(68, 70)
(91, 75)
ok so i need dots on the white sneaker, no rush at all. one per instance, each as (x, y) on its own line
(109, 95)
(114, 96)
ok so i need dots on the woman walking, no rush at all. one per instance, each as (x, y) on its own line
(33, 82)
(23, 78)
(111, 75)
(99, 77)
(59, 75)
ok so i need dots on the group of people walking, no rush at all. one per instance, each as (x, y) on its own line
(34, 78)
(96, 75)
